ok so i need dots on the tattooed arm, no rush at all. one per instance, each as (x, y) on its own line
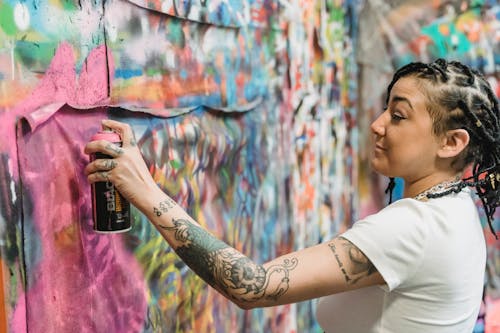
(321, 270)
(313, 272)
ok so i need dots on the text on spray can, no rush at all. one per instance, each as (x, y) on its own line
(110, 210)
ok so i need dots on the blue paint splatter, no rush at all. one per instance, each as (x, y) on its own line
(127, 73)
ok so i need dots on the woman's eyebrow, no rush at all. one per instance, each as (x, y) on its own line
(402, 99)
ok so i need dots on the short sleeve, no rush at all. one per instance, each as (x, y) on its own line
(394, 240)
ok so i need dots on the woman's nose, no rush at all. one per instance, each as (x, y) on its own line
(378, 125)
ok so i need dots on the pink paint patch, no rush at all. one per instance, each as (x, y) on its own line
(59, 86)
(492, 319)
(78, 281)
(56, 88)
(93, 87)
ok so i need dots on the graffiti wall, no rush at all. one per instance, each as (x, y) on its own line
(245, 113)
(252, 114)
(393, 33)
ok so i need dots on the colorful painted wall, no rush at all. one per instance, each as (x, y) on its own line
(393, 33)
(245, 113)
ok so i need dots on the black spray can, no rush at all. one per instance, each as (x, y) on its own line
(110, 210)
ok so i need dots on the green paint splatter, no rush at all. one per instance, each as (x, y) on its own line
(454, 42)
(69, 5)
(175, 164)
(153, 71)
(7, 22)
(175, 34)
(31, 53)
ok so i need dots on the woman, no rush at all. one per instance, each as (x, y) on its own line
(416, 266)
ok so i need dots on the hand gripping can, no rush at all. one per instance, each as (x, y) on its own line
(110, 210)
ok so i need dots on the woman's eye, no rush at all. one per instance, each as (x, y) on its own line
(396, 117)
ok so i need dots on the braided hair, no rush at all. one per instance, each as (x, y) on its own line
(461, 98)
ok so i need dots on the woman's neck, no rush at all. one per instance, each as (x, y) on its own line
(414, 188)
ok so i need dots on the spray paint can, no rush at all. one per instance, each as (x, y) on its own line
(110, 210)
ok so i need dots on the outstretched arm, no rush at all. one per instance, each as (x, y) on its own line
(321, 270)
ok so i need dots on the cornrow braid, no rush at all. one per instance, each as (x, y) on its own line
(460, 97)
(440, 67)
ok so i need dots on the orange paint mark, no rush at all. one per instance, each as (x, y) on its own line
(12, 92)
(444, 29)
(436, 3)
(304, 199)
(168, 90)
(67, 238)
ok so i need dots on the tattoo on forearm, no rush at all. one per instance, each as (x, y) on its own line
(359, 267)
(225, 268)
(114, 148)
(164, 206)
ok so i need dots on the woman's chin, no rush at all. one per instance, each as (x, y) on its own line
(380, 168)
(376, 165)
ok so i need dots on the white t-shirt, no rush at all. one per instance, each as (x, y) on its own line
(432, 256)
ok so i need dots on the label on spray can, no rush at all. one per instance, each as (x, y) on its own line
(110, 210)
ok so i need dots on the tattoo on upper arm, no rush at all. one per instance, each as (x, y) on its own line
(358, 267)
(226, 269)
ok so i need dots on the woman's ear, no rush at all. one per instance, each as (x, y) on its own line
(453, 143)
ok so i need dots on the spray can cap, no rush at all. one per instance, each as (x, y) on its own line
(108, 135)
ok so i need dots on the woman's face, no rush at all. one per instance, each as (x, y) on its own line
(405, 145)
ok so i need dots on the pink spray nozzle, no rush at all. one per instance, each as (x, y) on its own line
(108, 135)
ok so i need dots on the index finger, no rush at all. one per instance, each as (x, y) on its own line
(123, 129)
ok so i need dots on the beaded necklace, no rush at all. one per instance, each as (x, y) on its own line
(441, 189)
